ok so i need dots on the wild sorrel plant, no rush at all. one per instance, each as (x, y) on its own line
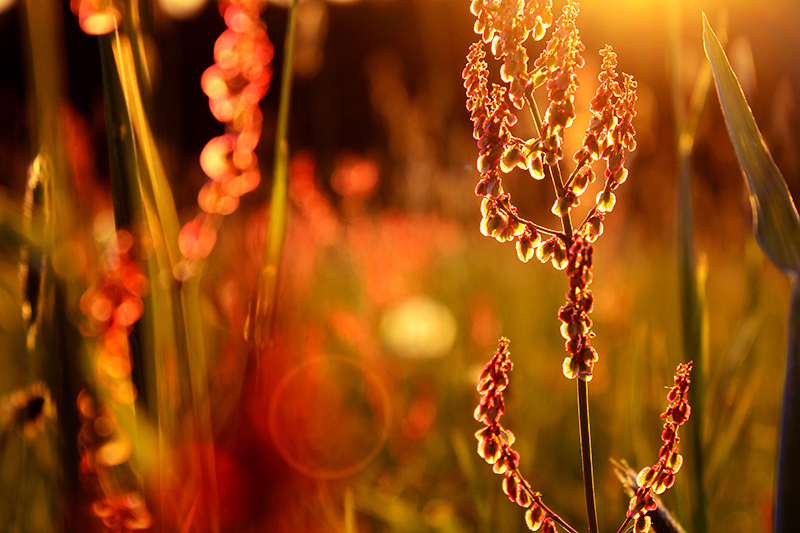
(506, 25)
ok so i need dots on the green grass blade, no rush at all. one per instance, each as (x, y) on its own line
(159, 205)
(777, 229)
(259, 322)
(775, 219)
(692, 278)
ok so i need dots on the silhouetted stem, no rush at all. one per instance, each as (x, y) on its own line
(124, 171)
(586, 454)
(624, 524)
(788, 490)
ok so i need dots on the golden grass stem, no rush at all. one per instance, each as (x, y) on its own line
(691, 289)
(258, 329)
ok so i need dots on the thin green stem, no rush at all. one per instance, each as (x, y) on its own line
(261, 317)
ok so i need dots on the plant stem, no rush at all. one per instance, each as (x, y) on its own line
(258, 328)
(788, 487)
(583, 391)
(554, 172)
(560, 521)
(586, 454)
(691, 291)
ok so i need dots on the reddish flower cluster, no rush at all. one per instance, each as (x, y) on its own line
(96, 17)
(507, 24)
(576, 325)
(112, 305)
(557, 67)
(234, 84)
(103, 449)
(494, 441)
(661, 476)
(610, 133)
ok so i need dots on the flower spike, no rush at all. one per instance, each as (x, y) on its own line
(661, 476)
(494, 443)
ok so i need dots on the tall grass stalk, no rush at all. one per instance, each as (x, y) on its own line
(694, 330)
(180, 338)
(258, 329)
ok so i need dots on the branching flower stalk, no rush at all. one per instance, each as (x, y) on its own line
(661, 476)
(494, 444)
(506, 25)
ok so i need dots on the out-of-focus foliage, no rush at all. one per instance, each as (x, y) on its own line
(359, 415)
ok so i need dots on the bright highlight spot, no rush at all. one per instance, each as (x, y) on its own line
(419, 328)
(181, 9)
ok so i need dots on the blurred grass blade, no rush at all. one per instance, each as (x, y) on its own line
(775, 219)
(691, 275)
(726, 437)
(777, 229)
(159, 204)
(57, 350)
(349, 511)
(16, 229)
(258, 328)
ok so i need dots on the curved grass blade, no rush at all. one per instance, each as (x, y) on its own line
(775, 219)
(777, 229)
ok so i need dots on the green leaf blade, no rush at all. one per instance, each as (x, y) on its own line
(775, 219)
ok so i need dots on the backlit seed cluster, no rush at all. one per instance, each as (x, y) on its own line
(661, 476)
(494, 441)
(235, 84)
(507, 25)
(609, 134)
(576, 326)
(105, 450)
(112, 305)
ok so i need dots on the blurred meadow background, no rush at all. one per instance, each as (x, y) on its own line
(356, 416)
